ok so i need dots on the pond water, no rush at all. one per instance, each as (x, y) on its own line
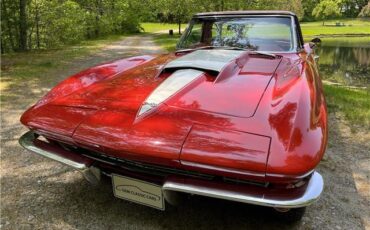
(346, 62)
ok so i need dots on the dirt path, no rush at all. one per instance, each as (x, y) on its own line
(37, 193)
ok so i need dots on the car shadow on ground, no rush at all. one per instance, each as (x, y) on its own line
(42, 193)
(57, 203)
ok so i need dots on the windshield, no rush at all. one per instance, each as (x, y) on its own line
(256, 33)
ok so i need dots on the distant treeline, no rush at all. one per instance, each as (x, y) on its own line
(39, 24)
(45, 24)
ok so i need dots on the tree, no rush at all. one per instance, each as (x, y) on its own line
(181, 10)
(175, 11)
(308, 6)
(327, 9)
(290, 5)
(40, 24)
(9, 26)
(365, 11)
(351, 8)
(22, 25)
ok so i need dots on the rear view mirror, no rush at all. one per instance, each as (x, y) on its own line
(314, 42)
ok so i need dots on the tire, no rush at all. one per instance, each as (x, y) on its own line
(291, 216)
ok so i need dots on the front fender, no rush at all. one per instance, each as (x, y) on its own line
(92, 75)
(299, 126)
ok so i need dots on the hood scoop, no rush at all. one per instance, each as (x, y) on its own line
(173, 84)
(211, 60)
(186, 70)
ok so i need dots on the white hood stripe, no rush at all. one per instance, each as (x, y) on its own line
(168, 88)
(214, 60)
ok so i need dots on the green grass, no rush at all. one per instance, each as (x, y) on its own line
(37, 63)
(166, 41)
(353, 103)
(352, 26)
(344, 41)
(157, 27)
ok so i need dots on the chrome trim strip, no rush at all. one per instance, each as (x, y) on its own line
(293, 24)
(314, 189)
(90, 173)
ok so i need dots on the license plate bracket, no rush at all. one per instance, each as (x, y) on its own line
(138, 191)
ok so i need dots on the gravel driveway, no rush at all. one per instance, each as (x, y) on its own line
(37, 193)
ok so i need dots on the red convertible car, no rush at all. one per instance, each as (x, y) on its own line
(237, 112)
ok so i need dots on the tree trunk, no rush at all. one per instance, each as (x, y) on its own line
(37, 27)
(179, 26)
(9, 28)
(29, 41)
(22, 25)
(99, 13)
(220, 5)
(1, 45)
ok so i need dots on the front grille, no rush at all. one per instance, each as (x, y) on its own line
(143, 167)
(154, 170)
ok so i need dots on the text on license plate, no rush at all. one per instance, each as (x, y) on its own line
(138, 191)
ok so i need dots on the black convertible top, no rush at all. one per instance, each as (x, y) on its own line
(241, 13)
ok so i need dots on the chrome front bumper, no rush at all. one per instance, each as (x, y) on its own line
(283, 198)
(82, 164)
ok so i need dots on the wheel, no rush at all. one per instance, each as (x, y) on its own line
(175, 198)
(290, 215)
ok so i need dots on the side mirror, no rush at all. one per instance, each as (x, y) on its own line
(314, 42)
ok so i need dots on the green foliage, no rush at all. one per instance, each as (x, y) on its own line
(49, 24)
(65, 24)
(351, 8)
(365, 12)
(327, 9)
(45, 24)
(290, 5)
(174, 11)
(308, 6)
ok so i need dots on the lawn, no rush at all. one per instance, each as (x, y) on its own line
(363, 41)
(18, 66)
(166, 41)
(150, 27)
(351, 27)
(353, 103)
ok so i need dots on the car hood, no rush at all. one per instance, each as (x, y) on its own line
(206, 80)
(140, 114)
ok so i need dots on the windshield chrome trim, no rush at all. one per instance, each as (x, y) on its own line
(295, 48)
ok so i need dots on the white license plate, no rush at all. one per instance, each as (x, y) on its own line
(138, 191)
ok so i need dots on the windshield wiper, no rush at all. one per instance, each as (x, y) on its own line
(212, 47)
(199, 48)
(262, 53)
